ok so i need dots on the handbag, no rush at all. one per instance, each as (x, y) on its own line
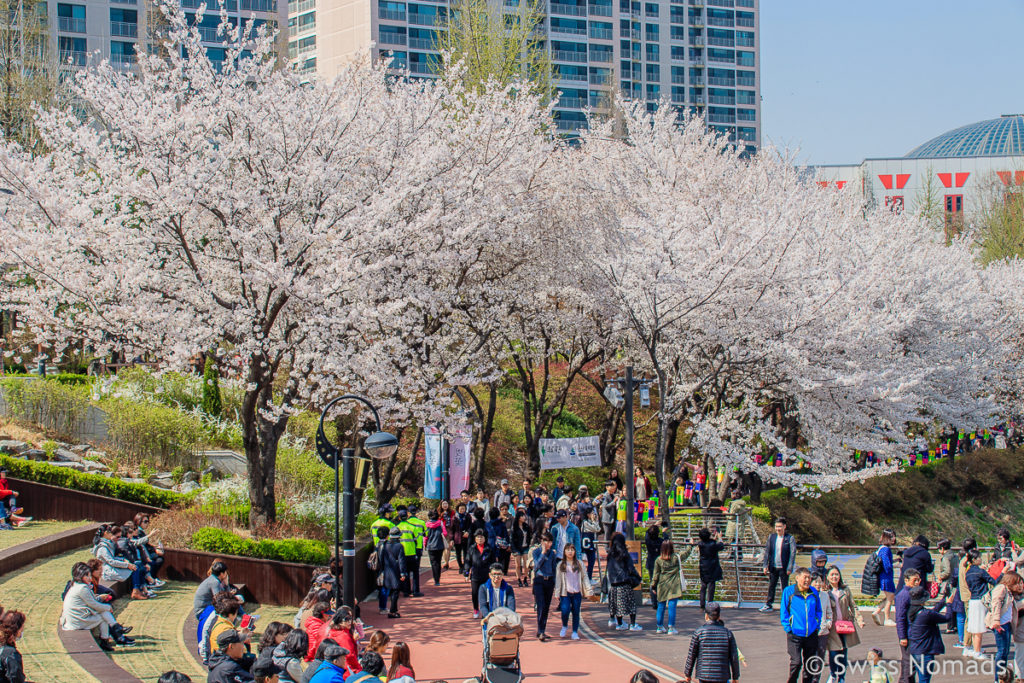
(933, 589)
(634, 577)
(845, 627)
(682, 579)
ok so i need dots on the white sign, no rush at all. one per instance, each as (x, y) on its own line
(583, 451)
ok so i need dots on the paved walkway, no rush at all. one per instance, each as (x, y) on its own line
(446, 644)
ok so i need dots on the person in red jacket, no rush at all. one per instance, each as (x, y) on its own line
(316, 625)
(343, 629)
(9, 509)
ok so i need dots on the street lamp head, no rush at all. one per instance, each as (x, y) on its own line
(381, 445)
(613, 395)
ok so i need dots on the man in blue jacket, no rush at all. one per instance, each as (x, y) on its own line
(910, 579)
(566, 533)
(801, 618)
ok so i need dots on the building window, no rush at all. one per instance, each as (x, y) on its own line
(745, 79)
(894, 203)
(954, 214)
(744, 39)
(745, 97)
(745, 58)
(746, 115)
(72, 50)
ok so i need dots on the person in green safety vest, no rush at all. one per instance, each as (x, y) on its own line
(409, 532)
(383, 520)
(421, 535)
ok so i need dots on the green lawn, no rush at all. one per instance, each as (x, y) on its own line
(34, 530)
(35, 590)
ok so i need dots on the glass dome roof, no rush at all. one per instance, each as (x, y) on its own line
(996, 137)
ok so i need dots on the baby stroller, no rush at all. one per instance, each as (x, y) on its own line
(501, 647)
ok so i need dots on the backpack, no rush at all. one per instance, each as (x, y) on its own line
(870, 577)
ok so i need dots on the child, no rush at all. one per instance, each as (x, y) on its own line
(879, 673)
(818, 582)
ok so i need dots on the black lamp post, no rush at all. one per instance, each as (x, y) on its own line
(445, 452)
(378, 445)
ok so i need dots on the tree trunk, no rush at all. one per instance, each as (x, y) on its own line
(260, 438)
(485, 419)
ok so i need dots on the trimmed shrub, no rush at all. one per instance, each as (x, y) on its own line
(54, 406)
(90, 483)
(152, 432)
(223, 542)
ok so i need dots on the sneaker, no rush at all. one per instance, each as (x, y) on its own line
(889, 622)
(622, 627)
(611, 623)
(126, 629)
(968, 652)
(159, 583)
(958, 644)
(980, 656)
(561, 634)
(107, 645)
(476, 615)
(5, 526)
(765, 608)
(636, 627)
(877, 618)
(672, 631)
(17, 511)
(125, 642)
(420, 595)
(575, 636)
(382, 612)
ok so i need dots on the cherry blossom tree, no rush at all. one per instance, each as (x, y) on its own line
(246, 211)
(740, 284)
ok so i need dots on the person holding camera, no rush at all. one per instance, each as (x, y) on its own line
(709, 546)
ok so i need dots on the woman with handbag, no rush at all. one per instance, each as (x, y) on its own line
(843, 634)
(668, 584)
(623, 578)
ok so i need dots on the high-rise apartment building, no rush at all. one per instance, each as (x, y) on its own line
(698, 55)
(83, 30)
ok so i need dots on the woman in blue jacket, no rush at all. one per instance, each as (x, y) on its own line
(978, 582)
(886, 585)
(924, 635)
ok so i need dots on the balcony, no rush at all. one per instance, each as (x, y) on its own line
(679, 80)
(720, 21)
(727, 82)
(208, 34)
(422, 68)
(122, 62)
(601, 10)
(124, 29)
(570, 103)
(601, 33)
(651, 14)
(720, 3)
(697, 41)
(569, 10)
(577, 56)
(696, 3)
(698, 99)
(259, 5)
(677, 18)
(678, 99)
(599, 79)
(571, 77)
(570, 125)
(71, 25)
(651, 37)
(745, 82)
(422, 43)
(398, 64)
(723, 60)
(391, 38)
(74, 57)
(300, 7)
(721, 118)
(718, 99)
(697, 79)
(569, 30)
(426, 19)
(125, 2)
(391, 14)
(722, 42)
(603, 56)
(746, 23)
(696, 20)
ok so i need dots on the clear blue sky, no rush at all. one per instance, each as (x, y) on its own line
(843, 80)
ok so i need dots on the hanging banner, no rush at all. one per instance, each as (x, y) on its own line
(583, 451)
(432, 463)
(460, 450)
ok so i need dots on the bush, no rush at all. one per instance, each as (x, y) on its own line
(211, 389)
(147, 431)
(90, 483)
(70, 379)
(303, 472)
(223, 542)
(53, 406)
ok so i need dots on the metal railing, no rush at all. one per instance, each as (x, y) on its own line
(422, 68)
(570, 125)
(601, 33)
(715, 80)
(721, 59)
(604, 56)
(719, 3)
(391, 38)
(301, 6)
(600, 102)
(679, 80)
(75, 57)
(124, 28)
(301, 28)
(720, 21)
(259, 5)
(570, 103)
(570, 10)
(125, 2)
(71, 24)
(390, 14)
(719, 99)
(122, 61)
(209, 34)
(425, 19)
(423, 43)
(569, 56)
(569, 30)
(571, 78)
(721, 42)
(746, 23)
(745, 82)
(601, 10)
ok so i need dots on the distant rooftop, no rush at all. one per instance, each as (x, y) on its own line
(1003, 136)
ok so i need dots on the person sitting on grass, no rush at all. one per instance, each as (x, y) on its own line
(231, 663)
(83, 612)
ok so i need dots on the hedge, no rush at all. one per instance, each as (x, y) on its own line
(213, 540)
(90, 483)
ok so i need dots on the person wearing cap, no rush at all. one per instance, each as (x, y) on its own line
(503, 495)
(332, 670)
(559, 489)
(421, 536)
(713, 656)
(566, 533)
(393, 569)
(265, 671)
(409, 532)
(383, 521)
(230, 663)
